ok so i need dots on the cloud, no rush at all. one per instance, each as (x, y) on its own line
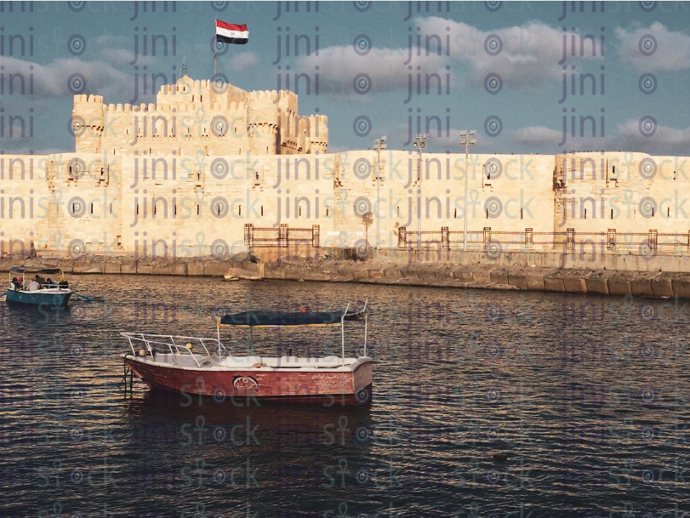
(54, 79)
(124, 57)
(536, 135)
(523, 56)
(664, 140)
(349, 75)
(665, 51)
(244, 61)
(627, 137)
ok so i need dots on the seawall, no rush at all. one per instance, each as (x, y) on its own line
(598, 281)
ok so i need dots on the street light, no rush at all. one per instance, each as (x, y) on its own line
(379, 144)
(466, 139)
(420, 144)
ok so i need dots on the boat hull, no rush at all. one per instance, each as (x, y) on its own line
(37, 298)
(327, 386)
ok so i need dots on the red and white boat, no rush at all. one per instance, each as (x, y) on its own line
(203, 366)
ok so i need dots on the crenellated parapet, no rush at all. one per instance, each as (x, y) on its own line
(199, 115)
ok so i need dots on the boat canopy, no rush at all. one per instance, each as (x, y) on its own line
(35, 269)
(282, 318)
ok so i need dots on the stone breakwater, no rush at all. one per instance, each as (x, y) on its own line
(495, 277)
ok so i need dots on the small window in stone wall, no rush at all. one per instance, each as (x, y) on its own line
(262, 210)
(239, 210)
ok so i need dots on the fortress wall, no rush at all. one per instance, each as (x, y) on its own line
(59, 207)
(254, 189)
(628, 192)
(524, 183)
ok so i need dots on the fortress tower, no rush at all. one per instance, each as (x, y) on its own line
(194, 116)
(88, 123)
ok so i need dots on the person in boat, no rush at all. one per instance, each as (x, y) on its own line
(50, 283)
(15, 284)
(20, 282)
(33, 285)
(63, 283)
(40, 280)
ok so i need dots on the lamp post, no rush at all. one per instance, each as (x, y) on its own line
(379, 144)
(420, 144)
(466, 139)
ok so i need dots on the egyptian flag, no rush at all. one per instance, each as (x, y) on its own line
(230, 33)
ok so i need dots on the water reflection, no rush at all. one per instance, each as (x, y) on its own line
(584, 399)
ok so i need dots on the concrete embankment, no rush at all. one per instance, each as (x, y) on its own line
(127, 265)
(600, 282)
(435, 274)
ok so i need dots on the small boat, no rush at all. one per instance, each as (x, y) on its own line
(38, 293)
(203, 366)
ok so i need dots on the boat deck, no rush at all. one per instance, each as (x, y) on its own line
(249, 363)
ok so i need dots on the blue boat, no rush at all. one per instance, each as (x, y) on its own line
(28, 286)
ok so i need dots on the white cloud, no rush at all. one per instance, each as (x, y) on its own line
(381, 70)
(536, 135)
(244, 61)
(664, 139)
(528, 57)
(627, 137)
(525, 56)
(53, 79)
(671, 51)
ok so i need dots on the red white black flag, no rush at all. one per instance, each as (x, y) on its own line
(230, 33)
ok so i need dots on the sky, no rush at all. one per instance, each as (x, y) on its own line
(493, 67)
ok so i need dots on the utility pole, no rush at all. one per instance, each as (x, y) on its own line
(466, 139)
(379, 144)
(420, 144)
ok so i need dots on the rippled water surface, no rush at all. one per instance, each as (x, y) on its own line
(586, 397)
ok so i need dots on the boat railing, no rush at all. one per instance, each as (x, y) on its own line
(175, 344)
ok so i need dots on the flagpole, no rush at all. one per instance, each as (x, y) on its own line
(215, 52)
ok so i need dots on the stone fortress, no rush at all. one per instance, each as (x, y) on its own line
(190, 174)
